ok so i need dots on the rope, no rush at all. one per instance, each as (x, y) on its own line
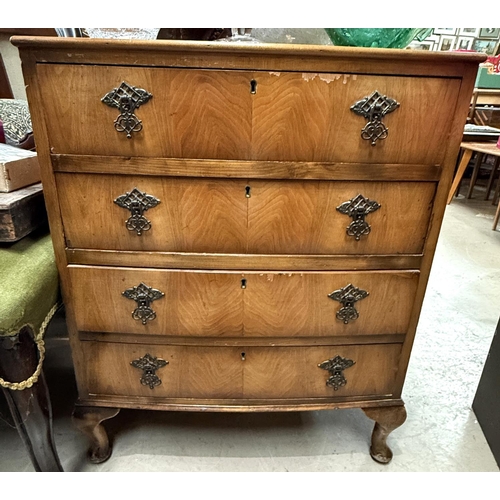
(20, 386)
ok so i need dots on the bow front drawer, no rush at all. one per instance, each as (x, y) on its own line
(235, 304)
(215, 114)
(119, 212)
(159, 371)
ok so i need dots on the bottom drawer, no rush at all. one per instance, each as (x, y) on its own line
(240, 372)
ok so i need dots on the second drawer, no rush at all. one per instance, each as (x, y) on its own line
(242, 216)
(235, 304)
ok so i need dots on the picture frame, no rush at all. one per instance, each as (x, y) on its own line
(469, 32)
(489, 33)
(445, 31)
(489, 47)
(433, 38)
(447, 43)
(464, 43)
(423, 45)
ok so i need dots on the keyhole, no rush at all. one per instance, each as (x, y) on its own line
(243, 356)
(253, 86)
(247, 191)
(243, 283)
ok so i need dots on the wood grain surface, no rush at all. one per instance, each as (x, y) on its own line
(307, 117)
(240, 372)
(239, 405)
(266, 262)
(194, 215)
(243, 169)
(214, 304)
(301, 217)
(193, 114)
(213, 114)
(268, 56)
(297, 145)
(214, 215)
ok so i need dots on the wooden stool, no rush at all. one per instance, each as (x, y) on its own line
(30, 276)
(482, 148)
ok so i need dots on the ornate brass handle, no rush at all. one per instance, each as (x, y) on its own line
(374, 107)
(358, 208)
(137, 202)
(143, 295)
(336, 367)
(127, 99)
(149, 364)
(347, 296)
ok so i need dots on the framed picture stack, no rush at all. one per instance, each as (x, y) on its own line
(445, 39)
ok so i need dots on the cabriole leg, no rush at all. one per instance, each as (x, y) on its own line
(89, 420)
(387, 418)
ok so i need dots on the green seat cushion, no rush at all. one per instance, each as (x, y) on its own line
(29, 283)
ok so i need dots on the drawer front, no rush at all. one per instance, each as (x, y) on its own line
(246, 216)
(235, 304)
(223, 115)
(240, 372)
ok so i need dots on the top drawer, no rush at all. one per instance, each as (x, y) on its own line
(244, 115)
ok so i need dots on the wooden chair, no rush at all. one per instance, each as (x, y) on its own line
(481, 149)
(497, 215)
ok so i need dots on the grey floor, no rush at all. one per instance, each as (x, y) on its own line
(458, 320)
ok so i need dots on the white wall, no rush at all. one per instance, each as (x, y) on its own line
(12, 62)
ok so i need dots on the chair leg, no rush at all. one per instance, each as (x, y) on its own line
(475, 173)
(460, 173)
(496, 195)
(30, 408)
(492, 177)
(497, 216)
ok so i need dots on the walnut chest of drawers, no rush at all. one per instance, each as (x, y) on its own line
(243, 228)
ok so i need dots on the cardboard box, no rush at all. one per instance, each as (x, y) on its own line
(18, 168)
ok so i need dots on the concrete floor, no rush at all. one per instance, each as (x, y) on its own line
(441, 433)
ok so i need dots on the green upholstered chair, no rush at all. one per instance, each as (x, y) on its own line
(29, 294)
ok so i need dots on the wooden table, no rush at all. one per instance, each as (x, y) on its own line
(488, 148)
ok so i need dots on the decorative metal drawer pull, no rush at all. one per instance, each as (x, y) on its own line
(149, 365)
(358, 208)
(374, 108)
(347, 296)
(137, 202)
(336, 367)
(127, 99)
(143, 295)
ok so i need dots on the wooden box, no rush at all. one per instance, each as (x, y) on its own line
(18, 168)
(21, 212)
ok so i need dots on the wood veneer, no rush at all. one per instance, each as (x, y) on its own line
(297, 144)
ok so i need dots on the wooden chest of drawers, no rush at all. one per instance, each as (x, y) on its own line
(243, 228)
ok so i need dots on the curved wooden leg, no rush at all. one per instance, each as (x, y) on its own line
(387, 418)
(30, 408)
(89, 420)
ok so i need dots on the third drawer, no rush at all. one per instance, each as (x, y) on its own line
(242, 304)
